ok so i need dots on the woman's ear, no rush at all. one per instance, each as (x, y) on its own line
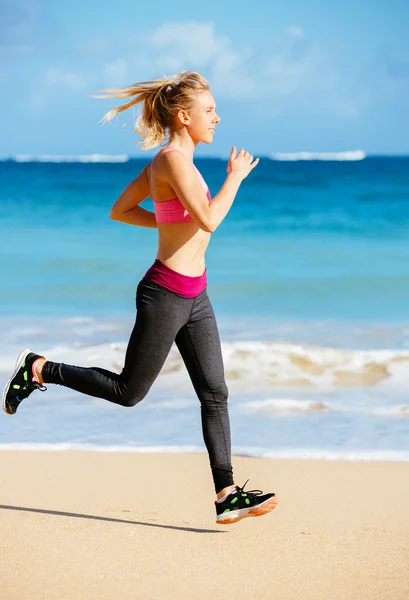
(183, 117)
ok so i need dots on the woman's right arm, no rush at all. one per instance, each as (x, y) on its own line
(183, 179)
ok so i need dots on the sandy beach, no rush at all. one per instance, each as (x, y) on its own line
(128, 525)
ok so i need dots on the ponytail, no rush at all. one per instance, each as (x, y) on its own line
(161, 99)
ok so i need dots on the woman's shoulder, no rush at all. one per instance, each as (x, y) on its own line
(162, 169)
(167, 152)
(161, 154)
(168, 159)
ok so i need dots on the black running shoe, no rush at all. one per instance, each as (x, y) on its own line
(240, 504)
(21, 383)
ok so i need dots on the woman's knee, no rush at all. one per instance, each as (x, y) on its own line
(216, 394)
(129, 397)
(222, 392)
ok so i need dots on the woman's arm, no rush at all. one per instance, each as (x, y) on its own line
(183, 179)
(126, 209)
(138, 216)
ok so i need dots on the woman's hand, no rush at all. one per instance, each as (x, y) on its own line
(242, 163)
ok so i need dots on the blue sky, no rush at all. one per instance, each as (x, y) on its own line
(315, 76)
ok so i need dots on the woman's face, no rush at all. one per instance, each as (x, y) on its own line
(203, 118)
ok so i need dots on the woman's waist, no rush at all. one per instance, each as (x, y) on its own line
(184, 266)
(176, 281)
(186, 240)
(188, 260)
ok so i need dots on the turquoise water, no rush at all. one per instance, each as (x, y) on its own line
(312, 239)
(312, 259)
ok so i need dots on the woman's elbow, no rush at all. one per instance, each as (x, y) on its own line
(114, 215)
(207, 224)
(208, 227)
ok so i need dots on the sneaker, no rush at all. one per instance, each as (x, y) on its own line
(240, 504)
(22, 382)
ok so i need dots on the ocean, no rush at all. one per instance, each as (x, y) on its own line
(308, 276)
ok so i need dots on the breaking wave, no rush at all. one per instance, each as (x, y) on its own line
(69, 158)
(347, 155)
(252, 366)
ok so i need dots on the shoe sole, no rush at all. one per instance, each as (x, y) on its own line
(23, 354)
(254, 511)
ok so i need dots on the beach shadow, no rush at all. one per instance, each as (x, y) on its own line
(109, 519)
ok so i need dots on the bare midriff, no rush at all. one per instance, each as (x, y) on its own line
(182, 247)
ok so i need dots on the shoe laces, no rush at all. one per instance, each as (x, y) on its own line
(36, 386)
(248, 492)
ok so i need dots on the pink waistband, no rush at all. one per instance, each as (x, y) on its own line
(185, 285)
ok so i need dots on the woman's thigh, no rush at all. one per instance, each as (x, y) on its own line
(199, 344)
(160, 315)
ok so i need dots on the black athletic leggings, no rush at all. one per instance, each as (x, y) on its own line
(164, 317)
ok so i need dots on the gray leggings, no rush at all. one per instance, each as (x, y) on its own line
(164, 317)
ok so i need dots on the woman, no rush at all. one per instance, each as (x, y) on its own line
(171, 299)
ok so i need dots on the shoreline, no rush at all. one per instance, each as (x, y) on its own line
(382, 456)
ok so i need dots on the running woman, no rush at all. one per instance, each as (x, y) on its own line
(171, 298)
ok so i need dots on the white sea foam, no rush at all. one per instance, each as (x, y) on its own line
(71, 158)
(55, 447)
(268, 365)
(292, 406)
(283, 406)
(347, 155)
(257, 452)
(252, 366)
(398, 410)
(327, 454)
(255, 365)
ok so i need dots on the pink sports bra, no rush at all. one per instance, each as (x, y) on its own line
(173, 211)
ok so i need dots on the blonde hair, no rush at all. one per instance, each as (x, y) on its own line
(161, 98)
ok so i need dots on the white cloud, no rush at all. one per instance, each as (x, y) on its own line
(305, 73)
(345, 108)
(287, 70)
(188, 41)
(57, 77)
(291, 66)
(50, 85)
(182, 45)
(291, 69)
(230, 76)
(115, 73)
(295, 31)
(95, 46)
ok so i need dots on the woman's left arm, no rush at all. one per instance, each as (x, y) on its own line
(126, 209)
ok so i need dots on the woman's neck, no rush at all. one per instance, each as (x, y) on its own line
(183, 143)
